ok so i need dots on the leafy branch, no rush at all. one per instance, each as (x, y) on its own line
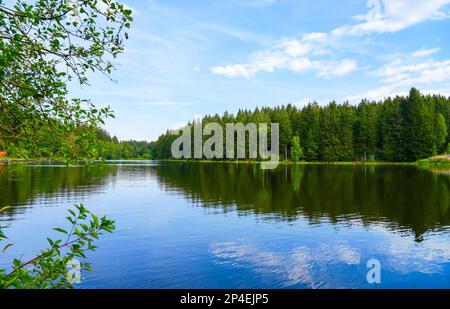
(44, 45)
(49, 268)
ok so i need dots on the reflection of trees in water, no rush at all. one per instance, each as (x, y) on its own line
(438, 169)
(22, 184)
(405, 196)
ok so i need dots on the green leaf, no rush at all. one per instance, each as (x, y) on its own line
(7, 246)
(61, 230)
(9, 282)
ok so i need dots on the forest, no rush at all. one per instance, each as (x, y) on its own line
(104, 147)
(400, 129)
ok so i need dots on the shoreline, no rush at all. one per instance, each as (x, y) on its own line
(285, 163)
(422, 162)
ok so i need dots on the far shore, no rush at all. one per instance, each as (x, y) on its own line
(430, 161)
(443, 160)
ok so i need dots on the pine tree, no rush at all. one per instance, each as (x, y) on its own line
(365, 130)
(417, 128)
(389, 128)
(281, 116)
(310, 131)
(329, 138)
(400, 129)
(345, 132)
(296, 150)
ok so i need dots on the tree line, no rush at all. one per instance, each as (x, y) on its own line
(399, 129)
(100, 145)
(110, 148)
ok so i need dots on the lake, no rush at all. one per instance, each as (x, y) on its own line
(215, 225)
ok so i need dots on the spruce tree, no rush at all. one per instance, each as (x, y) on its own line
(417, 128)
(365, 130)
(329, 133)
(310, 131)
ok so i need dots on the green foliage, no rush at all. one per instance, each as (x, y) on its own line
(417, 131)
(310, 130)
(111, 149)
(281, 116)
(44, 45)
(336, 138)
(441, 133)
(49, 268)
(365, 130)
(296, 150)
(396, 129)
(389, 125)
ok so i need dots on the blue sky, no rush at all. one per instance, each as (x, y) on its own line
(190, 58)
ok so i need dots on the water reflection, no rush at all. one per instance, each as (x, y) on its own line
(27, 185)
(405, 197)
(311, 226)
(302, 265)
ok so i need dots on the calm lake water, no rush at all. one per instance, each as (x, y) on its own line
(201, 225)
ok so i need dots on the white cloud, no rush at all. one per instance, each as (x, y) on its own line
(425, 52)
(340, 68)
(301, 64)
(375, 94)
(295, 48)
(404, 71)
(394, 15)
(301, 54)
(413, 70)
(234, 70)
(315, 37)
(289, 54)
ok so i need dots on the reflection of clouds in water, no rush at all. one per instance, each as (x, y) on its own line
(347, 255)
(301, 265)
(406, 256)
(324, 266)
(402, 253)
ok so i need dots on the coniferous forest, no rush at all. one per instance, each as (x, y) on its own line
(400, 129)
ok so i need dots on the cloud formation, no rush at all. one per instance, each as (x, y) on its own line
(296, 55)
(394, 15)
(403, 71)
(303, 53)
